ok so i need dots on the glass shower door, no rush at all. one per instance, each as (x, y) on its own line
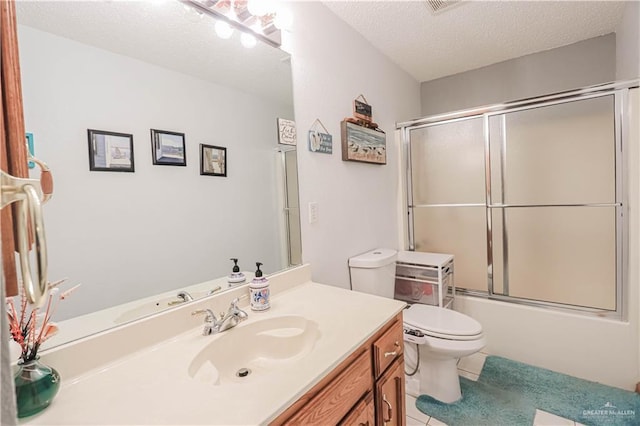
(291, 208)
(447, 200)
(554, 203)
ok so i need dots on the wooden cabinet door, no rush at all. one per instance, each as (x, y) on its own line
(337, 398)
(363, 414)
(390, 409)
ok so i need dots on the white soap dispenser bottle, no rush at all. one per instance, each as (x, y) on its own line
(235, 276)
(259, 291)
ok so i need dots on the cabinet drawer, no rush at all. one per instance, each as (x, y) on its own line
(335, 400)
(388, 348)
(362, 414)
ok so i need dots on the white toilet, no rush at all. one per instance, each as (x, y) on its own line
(442, 336)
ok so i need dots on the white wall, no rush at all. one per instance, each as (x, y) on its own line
(333, 65)
(129, 235)
(628, 43)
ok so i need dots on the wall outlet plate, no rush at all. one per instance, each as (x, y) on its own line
(313, 212)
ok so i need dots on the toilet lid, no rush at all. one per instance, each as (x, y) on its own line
(440, 322)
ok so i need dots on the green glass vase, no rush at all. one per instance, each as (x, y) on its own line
(36, 386)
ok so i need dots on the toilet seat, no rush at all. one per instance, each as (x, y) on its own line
(442, 323)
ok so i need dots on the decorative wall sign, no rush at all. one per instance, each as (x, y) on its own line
(361, 109)
(320, 142)
(110, 151)
(213, 160)
(167, 148)
(362, 144)
(287, 132)
(319, 138)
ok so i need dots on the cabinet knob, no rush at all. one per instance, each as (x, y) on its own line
(394, 353)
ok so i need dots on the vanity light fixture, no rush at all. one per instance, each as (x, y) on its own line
(260, 7)
(256, 19)
(248, 40)
(223, 29)
(283, 19)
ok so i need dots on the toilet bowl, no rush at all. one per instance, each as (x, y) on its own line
(440, 336)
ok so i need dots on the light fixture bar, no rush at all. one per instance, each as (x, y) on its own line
(273, 39)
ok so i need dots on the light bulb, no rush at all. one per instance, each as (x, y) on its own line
(257, 7)
(248, 40)
(223, 29)
(283, 19)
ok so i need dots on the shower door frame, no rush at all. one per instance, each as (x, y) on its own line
(619, 91)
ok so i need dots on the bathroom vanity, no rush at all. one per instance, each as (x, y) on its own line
(320, 355)
(367, 388)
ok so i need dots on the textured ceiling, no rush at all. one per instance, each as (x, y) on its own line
(473, 34)
(169, 35)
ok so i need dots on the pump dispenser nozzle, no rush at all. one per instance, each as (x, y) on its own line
(236, 268)
(258, 271)
(235, 276)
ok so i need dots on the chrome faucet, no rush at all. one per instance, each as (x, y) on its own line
(182, 296)
(186, 297)
(230, 319)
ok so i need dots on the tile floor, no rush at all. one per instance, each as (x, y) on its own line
(470, 368)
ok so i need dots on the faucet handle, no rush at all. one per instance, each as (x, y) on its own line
(210, 315)
(237, 312)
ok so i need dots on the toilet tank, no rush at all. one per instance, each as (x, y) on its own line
(374, 272)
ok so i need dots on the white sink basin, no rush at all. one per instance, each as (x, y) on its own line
(263, 347)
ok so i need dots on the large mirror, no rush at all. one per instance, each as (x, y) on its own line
(134, 240)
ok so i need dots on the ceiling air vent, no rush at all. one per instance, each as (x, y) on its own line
(437, 6)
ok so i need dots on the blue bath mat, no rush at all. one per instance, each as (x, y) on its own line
(580, 400)
(481, 405)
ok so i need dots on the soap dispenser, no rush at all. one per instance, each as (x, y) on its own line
(235, 276)
(259, 291)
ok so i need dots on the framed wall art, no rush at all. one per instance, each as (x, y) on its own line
(287, 134)
(363, 144)
(213, 160)
(168, 148)
(110, 151)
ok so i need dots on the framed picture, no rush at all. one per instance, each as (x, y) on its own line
(287, 134)
(167, 148)
(363, 144)
(110, 151)
(213, 160)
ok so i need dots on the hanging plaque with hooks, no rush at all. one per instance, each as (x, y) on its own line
(362, 109)
(319, 138)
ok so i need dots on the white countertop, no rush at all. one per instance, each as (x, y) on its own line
(152, 385)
